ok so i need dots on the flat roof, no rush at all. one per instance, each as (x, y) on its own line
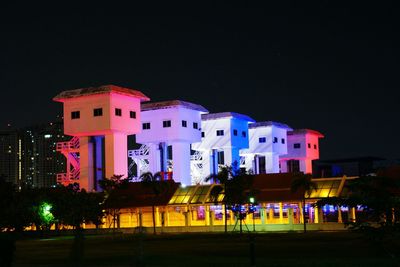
(223, 115)
(103, 89)
(305, 131)
(269, 123)
(171, 104)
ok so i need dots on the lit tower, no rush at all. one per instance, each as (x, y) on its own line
(223, 136)
(303, 148)
(168, 130)
(99, 119)
(267, 141)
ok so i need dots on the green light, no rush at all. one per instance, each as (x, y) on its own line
(45, 213)
(251, 199)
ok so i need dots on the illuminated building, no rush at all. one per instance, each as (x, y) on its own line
(223, 136)
(303, 148)
(168, 130)
(179, 139)
(267, 141)
(9, 155)
(99, 119)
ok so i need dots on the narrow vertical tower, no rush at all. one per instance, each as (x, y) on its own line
(303, 148)
(101, 117)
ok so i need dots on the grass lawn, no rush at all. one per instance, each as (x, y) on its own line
(273, 249)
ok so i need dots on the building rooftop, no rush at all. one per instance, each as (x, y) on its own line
(305, 131)
(223, 115)
(104, 89)
(171, 104)
(269, 123)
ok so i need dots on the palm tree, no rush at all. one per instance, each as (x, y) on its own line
(154, 182)
(302, 182)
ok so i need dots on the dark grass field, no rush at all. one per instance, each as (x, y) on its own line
(291, 249)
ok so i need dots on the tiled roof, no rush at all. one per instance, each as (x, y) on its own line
(305, 131)
(269, 123)
(171, 104)
(221, 115)
(104, 89)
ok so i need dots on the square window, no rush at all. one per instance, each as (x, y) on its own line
(315, 146)
(146, 126)
(97, 112)
(132, 114)
(309, 145)
(275, 140)
(195, 125)
(262, 139)
(244, 134)
(75, 115)
(118, 112)
(296, 145)
(203, 134)
(235, 132)
(283, 140)
(220, 132)
(184, 123)
(166, 124)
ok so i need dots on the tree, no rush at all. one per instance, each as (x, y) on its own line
(236, 185)
(154, 182)
(303, 182)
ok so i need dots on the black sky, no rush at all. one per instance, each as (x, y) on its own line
(324, 66)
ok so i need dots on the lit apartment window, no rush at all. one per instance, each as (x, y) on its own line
(75, 115)
(195, 125)
(244, 134)
(146, 126)
(118, 112)
(283, 140)
(97, 112)
(166, 124)
(203, 134)
(262, 139)
(235, 132)
(220, 132)
(275, 140)
(184, 124)
(315, 146)
(309, 145)
(296, 145)
(132, 114)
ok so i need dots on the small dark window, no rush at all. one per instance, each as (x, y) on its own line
(75, 115)
(166, 124)
(275, 139)
(220, 157)
(195, 125)
(97, 112)
(184, 123)
(220, 132)
(262, 139)
(244, 134)
(235, 132)
(203, 134)
(297, 145)
(132, 114)
(146, 126)
(118, 112)
(309, 145)
(315, 146)
(283, 140)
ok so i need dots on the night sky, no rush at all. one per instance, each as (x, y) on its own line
(329, 67)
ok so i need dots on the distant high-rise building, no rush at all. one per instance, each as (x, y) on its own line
(9, 147)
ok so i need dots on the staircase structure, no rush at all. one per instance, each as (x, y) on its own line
(140, 158)
(70, 150)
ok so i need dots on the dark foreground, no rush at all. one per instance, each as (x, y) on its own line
(292, 249)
